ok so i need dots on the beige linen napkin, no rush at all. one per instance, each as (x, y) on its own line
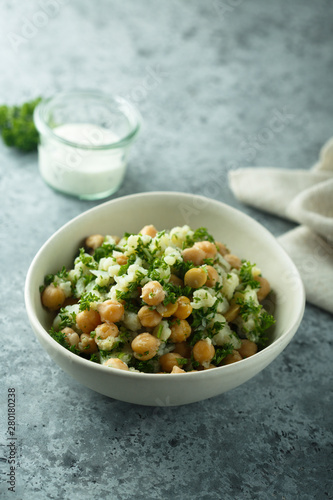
(306, 197)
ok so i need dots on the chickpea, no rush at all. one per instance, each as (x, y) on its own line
(105, 330)
(149, 230)
(232, 358)
(94, 241)
(222, 249)
(233, 260)
(168, 310)
(111, 311)
(153, 293)
(203, 352)
(195, 277)
(208, 247)
(184, 308)
(169, 360)
(116, 363)
(53, 297)
(174, 280)
(149, 317)
(184, 349)
(145, 346)
(232, 312)
(121, 259)
(248, 348)
(176, 369)
(88, 320)
(87, 344)
(180, 330)
(194, 254)
(264, 288)
(213, 276)
(71, 337)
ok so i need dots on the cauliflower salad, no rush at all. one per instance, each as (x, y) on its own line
(171, 301)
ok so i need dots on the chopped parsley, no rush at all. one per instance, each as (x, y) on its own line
(86, 300)
(59, 337)
(221, 353)
(49, 278)
(105, 250)
(261, 318)
(246, 276)
(200, 234)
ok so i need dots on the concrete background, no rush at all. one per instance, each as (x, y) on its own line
(208, 78)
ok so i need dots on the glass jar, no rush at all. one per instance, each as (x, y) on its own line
(85, 137)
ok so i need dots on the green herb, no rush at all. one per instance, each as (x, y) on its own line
(172, 292)
(200, 234)
(86, 300)
(95, 358)
(131, 288)
(17, 126)
(59, 337)
(180, 268)
(67, 319)
(49, 278)
(182, 361)
(101, 289)
(248, 307)
(86, 259)
(262, 320)
(154, 269)
(124, 268)
(159, 331)
(144, 366)
(142, 250)
(221, 353)
(105, 250)
(88, 278)
(208, 262)
(246, 276)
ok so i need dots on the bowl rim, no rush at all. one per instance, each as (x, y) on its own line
(285, 338)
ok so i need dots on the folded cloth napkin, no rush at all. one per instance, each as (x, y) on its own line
(306, 197)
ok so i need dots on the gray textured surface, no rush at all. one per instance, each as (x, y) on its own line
(222, 72)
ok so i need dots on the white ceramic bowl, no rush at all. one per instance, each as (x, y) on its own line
(244, 236)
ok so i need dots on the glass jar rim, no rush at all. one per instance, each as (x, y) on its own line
(127, 109)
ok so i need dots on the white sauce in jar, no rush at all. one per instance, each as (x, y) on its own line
(87, 173)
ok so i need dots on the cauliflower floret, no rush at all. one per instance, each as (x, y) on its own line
(222, 306)
(66, 287)
(178, 235)
(162, 331)
(106, 344)
(230, 283)
(131, 321)
(105, 263)
(135, 270)
(160, 243)
(203, 298)
(80, 287)
(250, 295)
(171, 255)
(102, 278)
(225, 335)
(133, 241)
(69, 311)
(222, 262)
